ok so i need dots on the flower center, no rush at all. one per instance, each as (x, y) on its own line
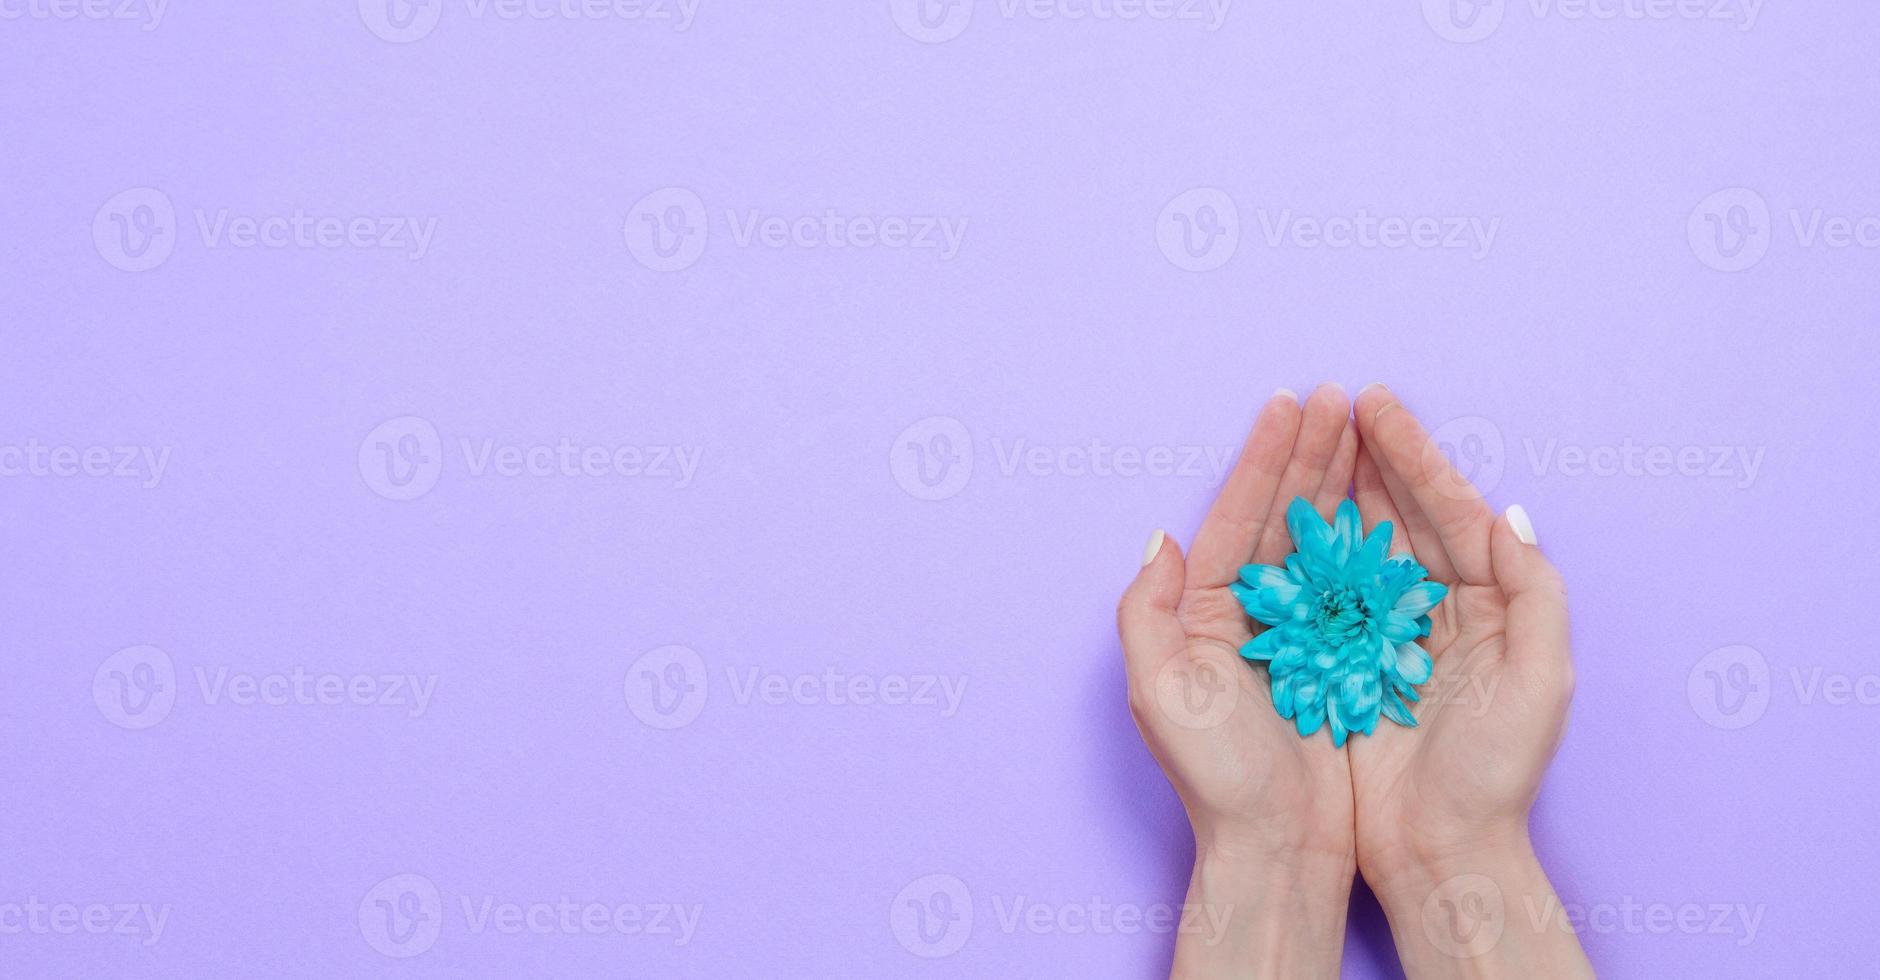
(1341, 614)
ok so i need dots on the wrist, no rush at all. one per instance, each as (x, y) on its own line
(1414, 858)
(1485, 911)
(1265, 912)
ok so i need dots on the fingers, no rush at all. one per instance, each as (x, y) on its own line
(1411, 461)
(1338, 476)
(1145, 618)
(1411, 531)
(1240, 514)
(1375, 506)
(1536, 594)
(1325, 414)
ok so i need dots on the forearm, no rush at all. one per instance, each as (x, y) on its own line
(1282, 916)
(1489, 913)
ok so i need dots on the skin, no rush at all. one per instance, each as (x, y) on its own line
(1434, 817)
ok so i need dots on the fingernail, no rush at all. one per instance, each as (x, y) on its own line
(1518, 519)
(1286, 393)
(1155, 546)
(1335, 386)
(1379, 385)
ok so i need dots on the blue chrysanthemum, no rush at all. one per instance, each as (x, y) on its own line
(1345, 617)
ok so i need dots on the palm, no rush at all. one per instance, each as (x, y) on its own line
(1492, 711)
(1206, 713)
(1254, 762)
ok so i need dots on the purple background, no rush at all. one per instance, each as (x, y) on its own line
(1594, 320)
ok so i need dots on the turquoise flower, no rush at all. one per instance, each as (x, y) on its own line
(1344, 618)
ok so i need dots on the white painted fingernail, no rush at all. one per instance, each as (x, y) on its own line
(1518, 519)
(1155, 546)
(1286, 393)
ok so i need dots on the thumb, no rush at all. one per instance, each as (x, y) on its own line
(1536, 594)
(1145, 618)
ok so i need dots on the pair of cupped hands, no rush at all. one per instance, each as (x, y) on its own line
(1435, 816)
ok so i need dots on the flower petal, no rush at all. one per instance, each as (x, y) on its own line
(1398, 629)
(1266, 576)
(1419, 599)
(1396, 711)
(1413, 663)
(1347, 529)
(1310, 534)
(1308, 717)
(1367, 560)
(1339, 731)
(1264, 646)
